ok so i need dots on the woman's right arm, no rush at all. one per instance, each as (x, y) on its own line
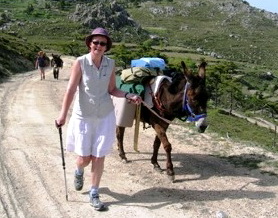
(75, 78)
(36, 63)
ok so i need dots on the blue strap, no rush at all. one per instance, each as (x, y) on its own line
(196, 117)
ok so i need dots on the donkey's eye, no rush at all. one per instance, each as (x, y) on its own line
(194, 101)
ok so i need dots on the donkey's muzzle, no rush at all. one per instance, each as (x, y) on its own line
(201, 125)
(202, 129)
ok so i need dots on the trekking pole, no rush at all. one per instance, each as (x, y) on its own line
(63, 157)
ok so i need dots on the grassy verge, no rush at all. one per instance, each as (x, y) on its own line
(241, 130)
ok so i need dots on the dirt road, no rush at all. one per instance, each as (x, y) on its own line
(207, 183)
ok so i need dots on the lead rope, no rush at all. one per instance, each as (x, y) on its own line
(165, 120)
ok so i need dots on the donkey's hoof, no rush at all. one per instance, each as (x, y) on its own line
(171, 178)
(125, 161)
(158, 169)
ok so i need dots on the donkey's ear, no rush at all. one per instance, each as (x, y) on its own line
(202, 70)
(183, 65)
(186, 72)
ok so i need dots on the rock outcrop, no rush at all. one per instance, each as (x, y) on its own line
(109, 15)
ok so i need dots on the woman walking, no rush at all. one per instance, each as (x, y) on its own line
(41, 64)
(92, 126)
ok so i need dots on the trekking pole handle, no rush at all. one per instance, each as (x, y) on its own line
(57, 125)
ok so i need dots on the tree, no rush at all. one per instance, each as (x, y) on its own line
(30, 9)
(213, 83)
(61, 5)
(272, 107)
(223, 86)
(232, 93)
(146, 50)
(122, 55)
(253, 103)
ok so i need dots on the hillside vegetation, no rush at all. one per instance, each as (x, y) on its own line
(229, 29)
(16, 55)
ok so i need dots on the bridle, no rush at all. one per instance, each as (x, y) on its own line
(190, 115)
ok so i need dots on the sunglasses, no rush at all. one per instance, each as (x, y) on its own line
(99, 43)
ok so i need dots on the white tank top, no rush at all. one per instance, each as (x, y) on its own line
(92, 99)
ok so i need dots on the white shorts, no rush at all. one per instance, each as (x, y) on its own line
(91, 136)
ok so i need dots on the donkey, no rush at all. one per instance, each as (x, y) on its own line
(185, 96)
(56, 63)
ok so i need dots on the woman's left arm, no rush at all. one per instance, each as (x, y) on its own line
(113, 90)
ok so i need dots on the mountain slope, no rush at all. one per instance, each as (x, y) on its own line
(16, 55)
(229, 28)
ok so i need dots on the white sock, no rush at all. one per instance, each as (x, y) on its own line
(80, 171)
(94, 190)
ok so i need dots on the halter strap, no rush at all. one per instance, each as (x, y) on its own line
(186, 107)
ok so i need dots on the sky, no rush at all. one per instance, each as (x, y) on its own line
(268, 5)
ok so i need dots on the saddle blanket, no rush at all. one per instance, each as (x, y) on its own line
(154, 87)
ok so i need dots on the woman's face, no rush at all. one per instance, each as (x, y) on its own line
(98, 45)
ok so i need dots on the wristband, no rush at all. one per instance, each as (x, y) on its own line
(126, 95)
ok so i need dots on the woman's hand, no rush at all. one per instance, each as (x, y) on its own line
(59, 122)
(135, 99)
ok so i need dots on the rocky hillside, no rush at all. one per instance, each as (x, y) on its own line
(230, 29)
(110, 15)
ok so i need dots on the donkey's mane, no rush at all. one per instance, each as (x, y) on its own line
(177, 78)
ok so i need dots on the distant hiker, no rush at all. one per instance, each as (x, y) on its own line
(41, 63)
(92, 126)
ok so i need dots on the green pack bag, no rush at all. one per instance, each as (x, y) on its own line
(137, 74)
(135, 88)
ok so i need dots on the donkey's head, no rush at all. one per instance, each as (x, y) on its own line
(195, 96)
(56, 61)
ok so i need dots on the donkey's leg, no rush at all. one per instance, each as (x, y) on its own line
(120, 131)
(156, 146)
(161, 134)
